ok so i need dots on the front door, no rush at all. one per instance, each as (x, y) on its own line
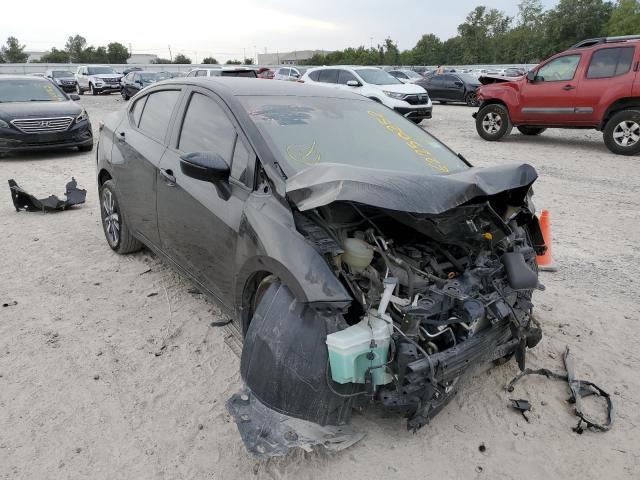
(198, 228)
(550, 98)
(452, 88)
(139, 146)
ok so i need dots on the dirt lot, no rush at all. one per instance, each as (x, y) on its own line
(83, 393)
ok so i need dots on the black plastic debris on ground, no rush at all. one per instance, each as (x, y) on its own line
(522, 406)
(578, 390)
(24, 201)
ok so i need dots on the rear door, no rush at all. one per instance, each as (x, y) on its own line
(140, 144)
(198, 229)
(435, 87)
(608, 76)
(551, 98)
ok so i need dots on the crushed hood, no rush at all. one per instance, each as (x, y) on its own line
(326, 183)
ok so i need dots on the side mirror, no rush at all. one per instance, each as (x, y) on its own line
(531, 76)
(74, 96)
(353, 83)
(208, 167)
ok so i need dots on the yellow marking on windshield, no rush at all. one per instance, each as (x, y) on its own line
(303, 154)
(419, 150)
(51, 92)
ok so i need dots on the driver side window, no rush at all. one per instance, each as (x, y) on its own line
(560, 69)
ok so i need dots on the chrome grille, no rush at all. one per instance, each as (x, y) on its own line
(42, 125)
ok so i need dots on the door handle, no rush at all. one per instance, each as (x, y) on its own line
(121, 136)
(568, 87)
(170, 180)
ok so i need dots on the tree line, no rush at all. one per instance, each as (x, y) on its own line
(489, 36)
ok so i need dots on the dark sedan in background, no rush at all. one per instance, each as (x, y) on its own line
(65, 79)
(452, 87)
(135, 81)
(35, 114)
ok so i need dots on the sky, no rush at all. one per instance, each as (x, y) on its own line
(231, 29)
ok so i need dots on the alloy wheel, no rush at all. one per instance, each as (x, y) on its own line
(626, 133)
(491, 123)
(111, 218)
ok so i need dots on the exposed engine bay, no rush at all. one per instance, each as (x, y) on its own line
(437, 281)
(430, 292)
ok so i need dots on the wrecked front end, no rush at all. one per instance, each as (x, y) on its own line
(437, 290)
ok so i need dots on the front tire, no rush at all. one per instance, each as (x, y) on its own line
(79, 89)
(115, 228)
(85, 148)
(531, 131)
(493, 122)
(471, 99)
(622, 133)
(93, 89)
(125, 97)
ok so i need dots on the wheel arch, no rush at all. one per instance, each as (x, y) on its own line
(103, 176)
(617, 106)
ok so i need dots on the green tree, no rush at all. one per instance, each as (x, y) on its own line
(75, 47)
(182, 59)
(55, 56)
(248, 61)
(233, 62)
(574, 20)
(625, 18)
(209, 61)
(13, 52)
(117, 53)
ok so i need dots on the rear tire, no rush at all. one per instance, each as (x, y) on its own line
(622, 133)
(531, 131)
(493, 122)
(114, 224)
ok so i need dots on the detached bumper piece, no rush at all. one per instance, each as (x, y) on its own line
(267, 433)
(25, 201)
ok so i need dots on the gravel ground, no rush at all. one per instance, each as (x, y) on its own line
(88, 391)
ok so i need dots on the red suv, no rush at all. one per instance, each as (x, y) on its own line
(594, 84)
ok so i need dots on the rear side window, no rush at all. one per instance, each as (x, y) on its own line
(344, 76)
(201, 73)
(136, 110)
(314, 75)
(328, 76)
(610, 62)
(157, 113)
(206, 128)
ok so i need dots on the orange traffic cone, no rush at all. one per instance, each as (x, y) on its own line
(545, 262)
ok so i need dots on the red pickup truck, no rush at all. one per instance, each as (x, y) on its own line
(594, 84)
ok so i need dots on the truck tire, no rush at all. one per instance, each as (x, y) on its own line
(116, 230)
(622, 133)
(530, 130)
(493, 122)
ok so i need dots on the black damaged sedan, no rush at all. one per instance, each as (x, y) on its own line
(35, 114)
(361, 260)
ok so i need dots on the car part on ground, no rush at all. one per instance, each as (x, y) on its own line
(364, 261)
(578, 389)
(25, 201)
(36, 115)
(592, 85)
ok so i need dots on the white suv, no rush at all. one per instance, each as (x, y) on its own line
(97, 79)
(409, 100)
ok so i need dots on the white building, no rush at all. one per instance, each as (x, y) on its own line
(288, 58)
(142, 58)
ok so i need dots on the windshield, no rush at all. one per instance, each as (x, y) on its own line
(101, 71)
(375, 76)
(304, 131)
(25, 90)
(61, 74)
(150, 77)
(468, 78)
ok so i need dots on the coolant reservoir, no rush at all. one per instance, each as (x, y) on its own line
(357, 254)
(351, 352)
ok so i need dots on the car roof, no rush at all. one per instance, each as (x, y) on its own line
(237, 86)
